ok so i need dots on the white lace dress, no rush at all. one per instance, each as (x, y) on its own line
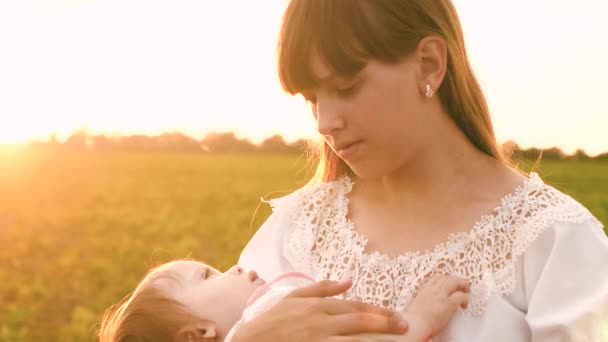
(538, 266)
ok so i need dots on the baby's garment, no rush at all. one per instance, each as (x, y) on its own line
(270, 294)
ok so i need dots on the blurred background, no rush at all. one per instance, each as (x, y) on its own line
(135, 132)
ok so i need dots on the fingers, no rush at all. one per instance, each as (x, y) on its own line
(325, 288)
(359, 339)
(432, 281)
(451, 284)
(369, 338)
(464, 285)
(363, 322)
(346, 339)
(334, 306)
(459, 299)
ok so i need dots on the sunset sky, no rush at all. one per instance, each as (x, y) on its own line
(147, 66)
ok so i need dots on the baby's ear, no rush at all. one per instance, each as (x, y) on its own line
(197, 332)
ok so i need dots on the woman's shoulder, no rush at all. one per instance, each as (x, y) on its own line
(538, 201)
(538, 210)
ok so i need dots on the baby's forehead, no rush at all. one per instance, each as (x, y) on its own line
(184, 266)
(176, 274)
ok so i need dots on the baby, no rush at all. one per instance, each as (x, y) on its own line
(185, 300)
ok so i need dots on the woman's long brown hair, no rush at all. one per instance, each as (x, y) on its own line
(348, 33)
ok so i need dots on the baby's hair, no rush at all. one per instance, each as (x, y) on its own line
(147, 315)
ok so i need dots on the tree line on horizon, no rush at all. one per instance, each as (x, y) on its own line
(223, 142)
(228, 142)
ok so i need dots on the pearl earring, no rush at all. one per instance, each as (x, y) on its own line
(429, 91)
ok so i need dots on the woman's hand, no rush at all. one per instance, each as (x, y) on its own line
(308, 315)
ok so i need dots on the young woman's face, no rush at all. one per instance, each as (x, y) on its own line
(373, 120)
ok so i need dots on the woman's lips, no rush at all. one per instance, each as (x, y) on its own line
(348, 152)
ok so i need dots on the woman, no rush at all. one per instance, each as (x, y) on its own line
(412, 183)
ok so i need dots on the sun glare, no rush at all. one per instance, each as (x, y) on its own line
(186, 66)
(9, 134)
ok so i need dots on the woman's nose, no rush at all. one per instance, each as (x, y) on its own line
(328, 116)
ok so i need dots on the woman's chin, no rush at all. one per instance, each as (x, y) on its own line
(367, 171)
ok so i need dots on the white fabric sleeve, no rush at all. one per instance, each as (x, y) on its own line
(264, 252)
(566, 283)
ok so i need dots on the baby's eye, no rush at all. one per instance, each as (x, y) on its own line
(205, 273)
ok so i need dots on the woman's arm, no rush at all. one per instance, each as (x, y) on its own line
(307, 314)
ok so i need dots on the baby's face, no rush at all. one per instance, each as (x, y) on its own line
(208, 293)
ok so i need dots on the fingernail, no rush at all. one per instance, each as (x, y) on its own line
(344, 282)
(402, 324)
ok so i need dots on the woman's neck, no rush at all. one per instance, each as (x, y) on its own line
(444, 167)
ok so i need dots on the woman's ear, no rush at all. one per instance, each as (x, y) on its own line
(432, 58)
(197, 332)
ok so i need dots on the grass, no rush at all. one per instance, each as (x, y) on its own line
(79, 230)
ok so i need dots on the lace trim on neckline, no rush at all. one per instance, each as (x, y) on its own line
(324, 240)
(480, 227)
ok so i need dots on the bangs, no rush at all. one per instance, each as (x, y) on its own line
(344, 33)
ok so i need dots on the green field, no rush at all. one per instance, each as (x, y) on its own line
(78, 230)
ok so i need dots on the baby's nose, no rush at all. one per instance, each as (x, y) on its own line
(236, 269)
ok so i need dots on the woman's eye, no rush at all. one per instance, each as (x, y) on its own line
(347, 91)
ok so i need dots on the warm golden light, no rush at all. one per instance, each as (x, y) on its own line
(146, 67)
